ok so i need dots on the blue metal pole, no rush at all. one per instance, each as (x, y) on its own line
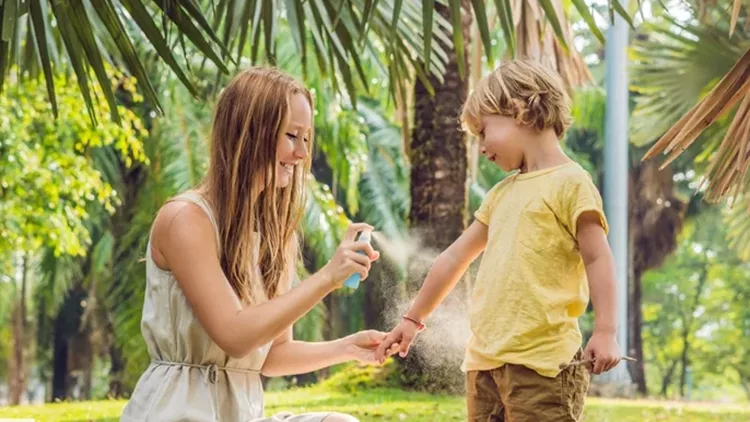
(616, 165)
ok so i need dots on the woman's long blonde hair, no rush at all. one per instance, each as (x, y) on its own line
(249, 119)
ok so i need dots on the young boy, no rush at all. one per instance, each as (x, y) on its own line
(543, 234)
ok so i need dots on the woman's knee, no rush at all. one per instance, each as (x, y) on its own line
(340, 417)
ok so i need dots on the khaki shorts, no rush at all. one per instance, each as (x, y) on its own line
(515, 393)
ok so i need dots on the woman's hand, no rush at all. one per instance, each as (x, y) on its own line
(398, 340)
(361, 346)
(347, 261)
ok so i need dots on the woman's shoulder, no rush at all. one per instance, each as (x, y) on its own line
(181, 209)
(179, 221)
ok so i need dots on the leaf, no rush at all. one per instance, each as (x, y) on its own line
(188, 28)
(269, 24)
(73, 47)
(589, 19)
(458, 36)
(143, 19)
(10, 16)
(480, 13)
(549, 12)
(296, 17)
(320, 47)
(345, 33)
(37, 20)
(83, 29)
(101, 256)
(111, 21)
(228, 9)
(622, 12)
(192, 9)
(396, 13)
(505, 13)
(428, 9)
(370, 6)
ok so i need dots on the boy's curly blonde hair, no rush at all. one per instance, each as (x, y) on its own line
(523, 89)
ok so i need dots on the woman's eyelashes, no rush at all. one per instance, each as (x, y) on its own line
(294, 137)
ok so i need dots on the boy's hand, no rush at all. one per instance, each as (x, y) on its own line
(399, 339)
(361, 345)
(602, 348)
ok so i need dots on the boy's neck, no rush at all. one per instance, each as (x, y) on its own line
(543, 152)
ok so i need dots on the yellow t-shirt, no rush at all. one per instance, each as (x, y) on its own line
(531, 286)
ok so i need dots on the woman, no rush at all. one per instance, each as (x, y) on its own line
(219, 304)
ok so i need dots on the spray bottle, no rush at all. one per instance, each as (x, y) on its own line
(354, 279)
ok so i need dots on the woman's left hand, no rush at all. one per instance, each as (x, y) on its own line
(361, 346)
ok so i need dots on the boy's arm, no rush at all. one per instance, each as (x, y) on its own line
(600, 270)
(444, 273)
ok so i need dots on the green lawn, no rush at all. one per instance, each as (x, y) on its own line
(383, 404)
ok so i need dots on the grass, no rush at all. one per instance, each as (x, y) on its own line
(388, 404)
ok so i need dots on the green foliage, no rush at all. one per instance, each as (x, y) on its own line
(696, 304)
(357, 377)
(48, 181)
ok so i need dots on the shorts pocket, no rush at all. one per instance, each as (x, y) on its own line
(575, 386)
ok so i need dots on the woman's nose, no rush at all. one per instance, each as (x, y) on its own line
(300, 150)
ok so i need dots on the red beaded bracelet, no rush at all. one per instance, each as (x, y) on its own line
(420, 326)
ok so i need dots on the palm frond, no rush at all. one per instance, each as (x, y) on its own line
(84, 30)
(729, 164)
(542, 32)
(384, 190)
(674, 65)
(334, 32)
(343, 144)
(700, 55)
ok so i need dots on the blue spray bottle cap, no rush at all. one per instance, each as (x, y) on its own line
(354, 279)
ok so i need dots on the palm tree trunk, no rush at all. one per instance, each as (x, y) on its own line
(439, 159)
(59, 362)
(439, 155)
(656, 215)
(17, 380)
(66, 328)
(116, 371)
(17, 376)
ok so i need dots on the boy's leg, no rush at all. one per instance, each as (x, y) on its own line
(528, 396)
(482, 398)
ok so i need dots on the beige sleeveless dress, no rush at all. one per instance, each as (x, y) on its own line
(190, 378)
